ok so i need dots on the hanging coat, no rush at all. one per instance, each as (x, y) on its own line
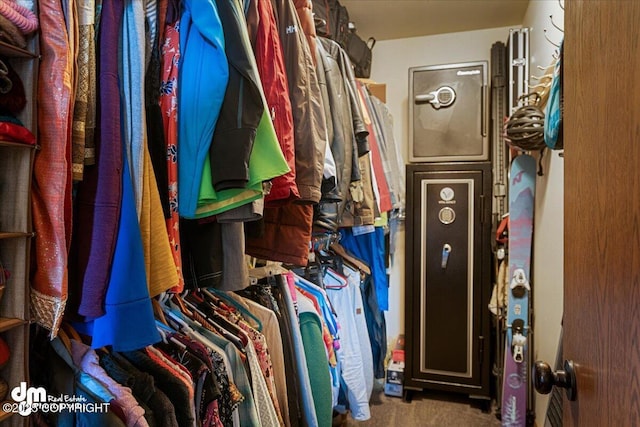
(160, 267)
(127, 300)
(245, 151)
(99, 195)
(51, 197)
(272, 72)
(310, 135)
(203, 77)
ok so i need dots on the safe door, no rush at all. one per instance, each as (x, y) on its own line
(448, 277)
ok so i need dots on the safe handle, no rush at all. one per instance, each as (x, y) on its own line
(446, 250)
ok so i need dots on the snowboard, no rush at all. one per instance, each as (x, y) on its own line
(515, 383)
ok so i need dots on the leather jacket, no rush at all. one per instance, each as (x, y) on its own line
(349, 140)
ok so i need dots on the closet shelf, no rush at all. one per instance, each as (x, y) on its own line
(18, 145)
(14, 234)
(15, 52)
(7, 323)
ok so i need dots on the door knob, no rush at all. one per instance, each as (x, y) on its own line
(544, 378)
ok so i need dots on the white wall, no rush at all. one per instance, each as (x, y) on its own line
(391, 62)
(548, 256)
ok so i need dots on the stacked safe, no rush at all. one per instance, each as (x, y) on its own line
(448, 231)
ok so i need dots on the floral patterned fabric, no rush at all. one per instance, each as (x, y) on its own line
(262, 352)
(168, 105)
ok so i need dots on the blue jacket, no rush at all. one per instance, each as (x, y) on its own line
(202, 82)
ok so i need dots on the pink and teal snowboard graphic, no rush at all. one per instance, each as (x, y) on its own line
(515, 386)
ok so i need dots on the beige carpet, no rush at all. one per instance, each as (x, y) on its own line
(426, 409)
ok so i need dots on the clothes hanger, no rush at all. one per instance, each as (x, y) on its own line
(64, 339)
(157, 311)
(340, 250)
(234, 303)
(71, 332)
(239, 341)
(164, 331)
(163, 335)
(218, 319)
(177, 298)
(343, 282)
(178, 324)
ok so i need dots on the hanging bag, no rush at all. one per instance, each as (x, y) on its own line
(360, 53)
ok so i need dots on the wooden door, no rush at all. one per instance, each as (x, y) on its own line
(602, 210)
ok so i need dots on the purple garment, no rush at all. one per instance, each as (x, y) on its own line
(99, 195)
(87, 360)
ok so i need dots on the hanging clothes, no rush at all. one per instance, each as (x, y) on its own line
(203, 60)
(285, 283)
(376, 324)
(271, 330)
(229, 395)
(51, 195)
(155, 121)
(127, 299)
(394, 165)
(170, 381)
(354, 371)
(370, 247)
(342, 143)
(247, 410)
(242, 106)
(245, 151)
(283, 234)
(268, 53)
(361, 208)
(266, 161)
(360, 324)
(349, 132)
(168, 105)
(377, 161)
(317, 362)
(61, 376)
(87, 360)
(269, 295)
(131, 73)
(85, 11)
(161, 272)
(99, 196)
(306, 103)
(159, 410)
(266, 408)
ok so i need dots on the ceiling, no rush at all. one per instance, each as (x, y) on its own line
(394, 19)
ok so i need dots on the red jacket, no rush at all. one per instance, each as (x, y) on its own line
(268, 52)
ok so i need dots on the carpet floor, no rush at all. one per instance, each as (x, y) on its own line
(427, 408)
